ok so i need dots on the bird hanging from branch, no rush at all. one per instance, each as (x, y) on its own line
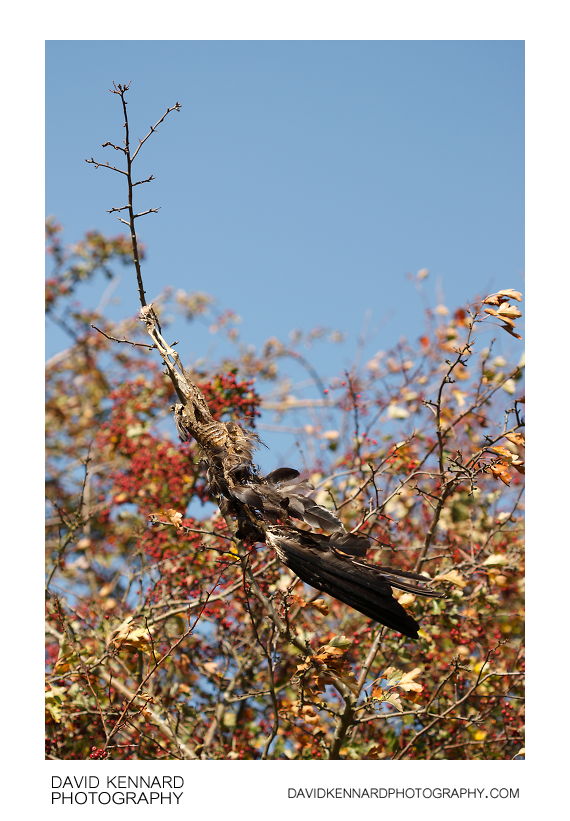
(271, 508)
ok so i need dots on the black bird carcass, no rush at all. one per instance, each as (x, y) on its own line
(271, 508)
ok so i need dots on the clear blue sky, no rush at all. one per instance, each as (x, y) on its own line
(302, 180)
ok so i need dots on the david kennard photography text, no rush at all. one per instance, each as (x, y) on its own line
(117, 789)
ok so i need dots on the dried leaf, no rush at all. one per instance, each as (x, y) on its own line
(505, 319)
(406, 599)
(394, 698)
(504, 453)
(129, 634)
(340, 641)
(502, 296)
(174, 517)
(510, 331)
(516, 438)
(459, 397)
(452, 576)
(508, 310)
(396, 412)
(54, 702)
(398, 678)
(407, 682)
(500, 471)
(495, 560)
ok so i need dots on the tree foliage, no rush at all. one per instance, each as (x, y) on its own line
(169, 638)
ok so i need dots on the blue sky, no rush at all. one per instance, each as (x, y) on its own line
(302, 180)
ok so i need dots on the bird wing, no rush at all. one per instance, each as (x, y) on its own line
(363, 586)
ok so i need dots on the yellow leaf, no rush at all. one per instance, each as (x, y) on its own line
(452, 576)
(459, 397)
(396, 412)
(479, 735)
(340, 641)
(54, 702)
(406, 598)
(495, 560)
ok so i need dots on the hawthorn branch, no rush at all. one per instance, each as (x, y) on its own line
(126, 341)
(347, 718)
(121, 90)
(157, 664)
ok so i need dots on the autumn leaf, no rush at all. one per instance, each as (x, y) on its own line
(340, 641)
(174, 517)
(396, 412)
(510, 331)
(317, 604)
(500, 471)
(516, 438)
(505, 453)
(406, 599)
(495, 560)
(309, 715)
(452, 576)
(502, 296)
(54, 702)
(66, 656)
(398, 678)
(129, 635)
(507, 320)
(407, 682)
(459, 397)
(394, 699)
(506, 311)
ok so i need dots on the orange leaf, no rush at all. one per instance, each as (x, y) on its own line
(503, 452)
(501, 472)
(174, 517)
(516, 438)
(511, 332)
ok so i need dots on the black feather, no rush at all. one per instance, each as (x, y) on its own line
(282, 475)
(365, 587)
